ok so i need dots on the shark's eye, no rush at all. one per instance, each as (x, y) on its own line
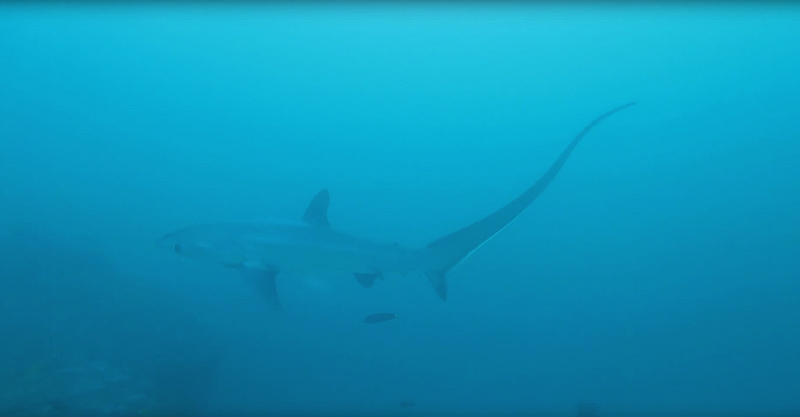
(177, 248)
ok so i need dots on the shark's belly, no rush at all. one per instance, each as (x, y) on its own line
(313, 259)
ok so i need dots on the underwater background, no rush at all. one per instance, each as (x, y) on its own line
(658, 274)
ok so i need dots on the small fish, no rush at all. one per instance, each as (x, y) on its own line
(586, 409)
(379, 317)
(407, 404)
(58, 406)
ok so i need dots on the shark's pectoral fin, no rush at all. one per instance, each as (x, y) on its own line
(439, 282)
(262, 279)
(366, 279)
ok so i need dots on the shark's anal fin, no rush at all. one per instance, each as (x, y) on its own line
(317, 212)
(262, 279)
(366, 279)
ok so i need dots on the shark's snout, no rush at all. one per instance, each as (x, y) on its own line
(171, 242)
(167, 241)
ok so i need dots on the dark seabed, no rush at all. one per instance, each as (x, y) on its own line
(659, 274)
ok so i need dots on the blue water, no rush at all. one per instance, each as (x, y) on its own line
(659, 273)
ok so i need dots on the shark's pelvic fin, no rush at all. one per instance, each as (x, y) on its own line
(262, 279)
(366, 279)
(439, 281)
(447, 252)
(317, 212)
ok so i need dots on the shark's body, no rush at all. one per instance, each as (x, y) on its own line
(262, 251)
(296, 247)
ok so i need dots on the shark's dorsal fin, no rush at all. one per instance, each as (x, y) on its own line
(317, 212)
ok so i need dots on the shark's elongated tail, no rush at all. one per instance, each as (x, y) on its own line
(445, 253)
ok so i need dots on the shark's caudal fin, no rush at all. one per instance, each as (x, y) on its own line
(445, 253)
